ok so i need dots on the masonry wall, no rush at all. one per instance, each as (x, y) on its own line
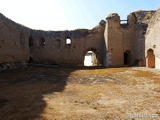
(110, 41)
(13, 41)
(57, 51)
(122, 38)
(19, 44)
(153, 39)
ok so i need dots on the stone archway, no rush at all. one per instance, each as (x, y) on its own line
(90, 58)
(150, 58)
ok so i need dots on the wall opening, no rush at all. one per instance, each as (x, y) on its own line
(58, 43)
(123, 21)
(90, 59)
(68, 41)
(30, 41)
(42, 42)
(151, 58)
(30, 60)
(127, 57)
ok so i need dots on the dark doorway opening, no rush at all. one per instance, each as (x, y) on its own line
(151, 58)
(30, 41)
(127, 56)
(30, 60)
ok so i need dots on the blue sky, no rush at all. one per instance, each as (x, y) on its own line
(69, 14)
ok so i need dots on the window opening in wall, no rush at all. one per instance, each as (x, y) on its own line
(58, 43)
(124, 21)
(68, 41)
(42, 42)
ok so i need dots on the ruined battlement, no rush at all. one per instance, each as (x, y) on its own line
(24, 44)
(139, 16)
(111, 41)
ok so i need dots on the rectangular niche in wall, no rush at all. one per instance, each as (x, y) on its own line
(58, 43)
(31, 42)
(42, 42)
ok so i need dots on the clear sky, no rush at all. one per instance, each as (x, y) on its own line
(69, 14)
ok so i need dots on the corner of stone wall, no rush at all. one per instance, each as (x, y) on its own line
(112, 22)
(113, 17)
(131, 19)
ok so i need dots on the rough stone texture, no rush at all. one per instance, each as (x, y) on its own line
(13, 41)
(152, 38)
(57, 51)
(19, 43)
(114, 44)
(128, 37)
(144, 16)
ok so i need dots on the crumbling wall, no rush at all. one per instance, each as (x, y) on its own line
(152, 41)
(114, 44)
(57, 51)
(144, 16)
(113, 39)
(19, 43)
(13, 41)
(123, 38)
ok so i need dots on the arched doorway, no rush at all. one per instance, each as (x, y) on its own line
(127, 57)
(90, 59)
(151, 58)
(30, 60)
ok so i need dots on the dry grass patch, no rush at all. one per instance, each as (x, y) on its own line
(57, 94)
(107, 71)
(150, 75)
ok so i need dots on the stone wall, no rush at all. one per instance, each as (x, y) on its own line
(19, 43)
(114, 43)
(13, 41)
(128, 38)
(57, 51)
(153, 39)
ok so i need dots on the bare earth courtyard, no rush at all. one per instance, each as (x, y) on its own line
(37, 93)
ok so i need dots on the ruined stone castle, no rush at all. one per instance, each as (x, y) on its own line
(115, 42)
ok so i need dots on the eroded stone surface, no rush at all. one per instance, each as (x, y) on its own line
(113, 42)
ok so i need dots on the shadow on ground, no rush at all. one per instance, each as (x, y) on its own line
(21, 91)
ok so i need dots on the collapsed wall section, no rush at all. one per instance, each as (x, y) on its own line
(114, 44)
(21, 44)
(152, 49)
(52, 47)
(125, 43)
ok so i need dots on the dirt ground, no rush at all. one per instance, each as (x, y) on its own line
(37, 93)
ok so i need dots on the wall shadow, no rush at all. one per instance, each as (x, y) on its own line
(21, 91)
